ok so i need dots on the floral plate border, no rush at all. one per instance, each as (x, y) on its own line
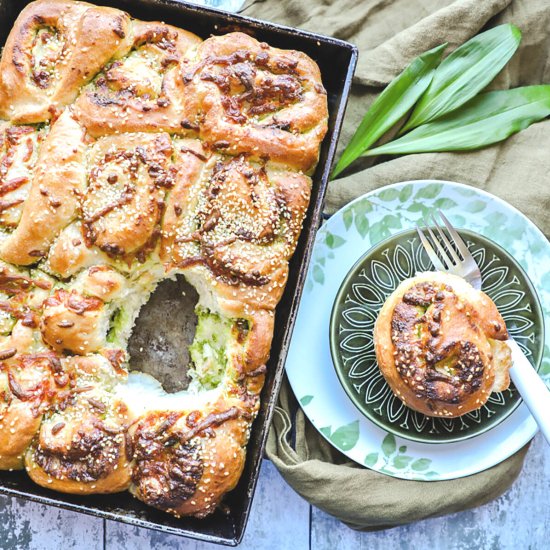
(339, 243)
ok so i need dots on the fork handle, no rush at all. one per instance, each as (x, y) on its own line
(531, 387)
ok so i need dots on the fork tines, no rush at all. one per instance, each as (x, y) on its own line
(447, 252)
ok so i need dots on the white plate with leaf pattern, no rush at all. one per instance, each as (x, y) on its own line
(340, 242)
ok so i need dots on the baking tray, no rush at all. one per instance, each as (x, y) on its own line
(337, 60)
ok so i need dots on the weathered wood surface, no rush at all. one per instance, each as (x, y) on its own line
(282, 520)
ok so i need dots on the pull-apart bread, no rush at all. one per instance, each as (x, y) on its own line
(131, 152)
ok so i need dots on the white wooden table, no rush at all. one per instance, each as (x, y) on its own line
(281, 519)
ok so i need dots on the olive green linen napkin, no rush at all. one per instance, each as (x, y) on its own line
(389, 35)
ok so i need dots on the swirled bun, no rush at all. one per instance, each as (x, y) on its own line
(234, 224)
(142, 91)
(186, 460)
(52, 202)
(54, 48)
(29, 384)
(244, 96)
(440, 345)
(132, 152)
(82, 444)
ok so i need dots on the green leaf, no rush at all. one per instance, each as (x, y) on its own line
(306, 400)
(405, 193)
(334, 241)
(348, 218)
(362, 208)
(467, 191)
(346, 437)
(371, 459)
(389, 194)
(318, 275)
(326, 431)
(378, 232)
(429, 191)
(389, 445)
(391, 105)
(445, 203)
(401, 461)
(362, 225)
(475, 206)
(393, 221)
(486, 119)
(403, 449)
(421, 464)
(431, 474)
(496, 219)
(465, 72)
(418, 207)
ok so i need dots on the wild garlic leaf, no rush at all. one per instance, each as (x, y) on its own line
(392, 104)
(465, 72)
(488, 118)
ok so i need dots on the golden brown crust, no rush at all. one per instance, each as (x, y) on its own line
(235, 222)
(53, 199)
(69, 253)
(29, 384)
(96, 463)
(247, 97)
(126, 183)
(433, 345)
(55, 47)
(72, 323)
(258, 340)
(30, 375)
(143, 91)
(14, 445)
(186, 461)
(254, 334)
(102, 281)
(19, 147)
(82, 446)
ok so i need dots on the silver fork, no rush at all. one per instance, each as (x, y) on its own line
(462, 263)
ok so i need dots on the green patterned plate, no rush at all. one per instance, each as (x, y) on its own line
(363, 292)
(363, 225)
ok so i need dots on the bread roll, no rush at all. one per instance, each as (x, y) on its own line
(440, 345)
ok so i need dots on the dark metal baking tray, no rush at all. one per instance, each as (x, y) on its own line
(337, 60)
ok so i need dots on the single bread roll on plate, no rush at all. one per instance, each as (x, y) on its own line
(440, 345)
